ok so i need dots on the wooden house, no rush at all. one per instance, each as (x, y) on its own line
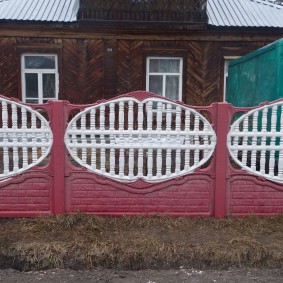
(86, 50)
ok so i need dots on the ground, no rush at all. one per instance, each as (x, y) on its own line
(136, 249)
(181, 275)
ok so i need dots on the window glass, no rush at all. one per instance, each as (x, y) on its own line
(164, 65)
(155, 84)
(31, 85)
(48, 85)
(40, 62)
(35, 101)
(172, 87)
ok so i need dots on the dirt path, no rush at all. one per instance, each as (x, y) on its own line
(143, 276)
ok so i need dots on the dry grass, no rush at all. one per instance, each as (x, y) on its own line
(83, 241)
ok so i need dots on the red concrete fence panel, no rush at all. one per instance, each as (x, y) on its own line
(140, 154)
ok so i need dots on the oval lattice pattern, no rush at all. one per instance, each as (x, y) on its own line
(126, 139)
(255, 141)
(25, 138)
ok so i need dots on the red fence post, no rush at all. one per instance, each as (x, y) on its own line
(222, 159)
(58, 156)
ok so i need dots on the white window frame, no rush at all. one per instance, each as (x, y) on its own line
(227, 59)
(40, 73)
(180, 74)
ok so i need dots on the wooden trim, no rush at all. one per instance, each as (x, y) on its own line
(110, 80)
(91, 31)
(38, 47)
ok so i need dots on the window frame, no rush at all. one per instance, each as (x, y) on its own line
(180, 74)
(39, 73)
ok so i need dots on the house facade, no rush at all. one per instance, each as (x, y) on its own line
(84, 51)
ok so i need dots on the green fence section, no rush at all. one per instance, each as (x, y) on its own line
(256, 77)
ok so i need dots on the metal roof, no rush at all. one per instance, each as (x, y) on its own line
(244, 13)
(39, 10)
(226, 13)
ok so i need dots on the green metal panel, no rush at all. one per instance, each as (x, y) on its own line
(256, 77)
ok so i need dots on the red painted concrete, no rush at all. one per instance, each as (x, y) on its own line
(221, 154)
(90, 193)
(217, 190)
(58, 155)
(26, 196)
(249, 195)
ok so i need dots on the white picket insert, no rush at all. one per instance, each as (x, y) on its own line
(255, 141)
(127, 139)
(25, 138)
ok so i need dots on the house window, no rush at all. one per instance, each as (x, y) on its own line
(164, 76)
(39, 77)
(227, 59)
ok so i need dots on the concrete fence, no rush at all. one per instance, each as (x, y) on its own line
(140, 154)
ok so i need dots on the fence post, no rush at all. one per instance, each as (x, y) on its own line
(222, 159)
(58, 156)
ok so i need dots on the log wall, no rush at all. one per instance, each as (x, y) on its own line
(95, 68)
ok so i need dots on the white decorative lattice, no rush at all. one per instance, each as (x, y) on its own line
(127, 139)
(25, 138)
(255, 141)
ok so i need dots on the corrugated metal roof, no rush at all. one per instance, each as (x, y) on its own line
(39, 10)
(244, 13)
(229, 13)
